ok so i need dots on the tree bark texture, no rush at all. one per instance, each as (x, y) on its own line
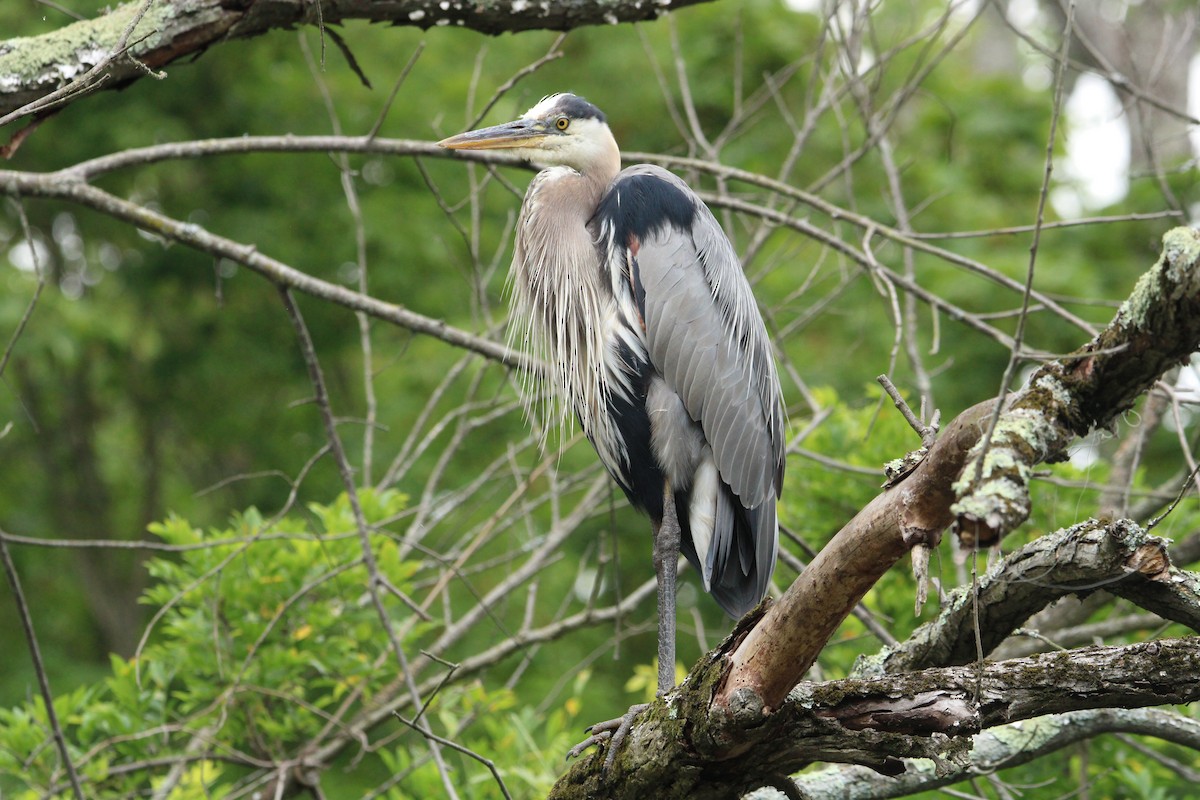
(997, 748)
(1118, 557)
(33, 67)
(1155, 329)
(878, 722)
(738, 721)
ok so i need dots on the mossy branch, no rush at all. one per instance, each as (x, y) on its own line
(1118, 556)
(984, 494)
(879, 722)
(1002, 747)
(1157, 328)
(33, 67)
(735, 722)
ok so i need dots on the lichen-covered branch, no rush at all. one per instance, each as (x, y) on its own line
(691, 753)
(998, 748)
(729, 720)
(33, 67)
(1157, 328)
(1118, 556)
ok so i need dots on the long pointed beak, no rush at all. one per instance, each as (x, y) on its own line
(521, 133)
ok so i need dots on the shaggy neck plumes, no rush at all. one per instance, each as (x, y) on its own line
(561, 313)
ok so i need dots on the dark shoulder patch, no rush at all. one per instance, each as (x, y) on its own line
(640, 204)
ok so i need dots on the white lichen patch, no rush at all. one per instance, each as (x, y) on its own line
(870, 665)
(1179, 264)
(1022, 429)
(1132, 536)
(983, 509)
(1006, 489)
(1053, 385)
(1181, 247)
(1031, 427)
(1024, 735)
(53, 59)
(993, 502)
(1001, 459)
(1185, 578)
(802, 695)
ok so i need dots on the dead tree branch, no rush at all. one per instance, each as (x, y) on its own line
(65, 186)
(1118, 557)
(1156, 328)
(32, 68)
(880, 723)
(997, 748)
(743, 687)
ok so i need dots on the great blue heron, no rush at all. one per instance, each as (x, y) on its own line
(626, 287)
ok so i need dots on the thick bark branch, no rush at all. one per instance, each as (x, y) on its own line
(777, 652)
(1118, 557)
(690, 753)
(33, 67)
(1156, 328)
(995, 749)
(733, 720)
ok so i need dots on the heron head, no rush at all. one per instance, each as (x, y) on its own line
(561, 130)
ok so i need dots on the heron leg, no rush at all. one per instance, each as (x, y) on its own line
(666, 568)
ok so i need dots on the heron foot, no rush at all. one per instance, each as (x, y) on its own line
(613, 731)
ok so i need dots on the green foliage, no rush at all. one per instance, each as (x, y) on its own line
(863, 436)
(261, 631)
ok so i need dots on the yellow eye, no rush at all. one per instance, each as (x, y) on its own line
(562, 123)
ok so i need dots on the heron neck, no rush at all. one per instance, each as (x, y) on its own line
(596, 180)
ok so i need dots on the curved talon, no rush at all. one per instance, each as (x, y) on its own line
(577, 750)
(613, 730)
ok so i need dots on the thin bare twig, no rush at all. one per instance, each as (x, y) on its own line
(927, 432)
(391, 98)
(39, 668)
(37, 291)
(339, 454)
(350, 191)
(487, 762)
(1048, 170)
(552, 53)
(247, 255)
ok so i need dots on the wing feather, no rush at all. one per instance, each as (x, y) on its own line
(705, 337)
(710, 351)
